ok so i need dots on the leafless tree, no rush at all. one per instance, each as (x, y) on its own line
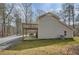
(40, 12)
(5, 12)
(68, 12)
(27, 11)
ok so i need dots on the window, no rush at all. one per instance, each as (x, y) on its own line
(65, 33)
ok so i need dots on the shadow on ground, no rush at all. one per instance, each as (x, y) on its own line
(27, 44)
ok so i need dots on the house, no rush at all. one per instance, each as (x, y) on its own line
(49, 26)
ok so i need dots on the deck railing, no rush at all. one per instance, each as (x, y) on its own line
(30, 25)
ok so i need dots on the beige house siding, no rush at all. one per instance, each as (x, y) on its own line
(49, 27)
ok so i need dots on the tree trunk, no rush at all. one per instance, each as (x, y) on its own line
(3, 25)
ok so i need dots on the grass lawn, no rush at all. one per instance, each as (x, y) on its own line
(44, 46)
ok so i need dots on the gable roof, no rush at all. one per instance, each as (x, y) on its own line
(57, 18)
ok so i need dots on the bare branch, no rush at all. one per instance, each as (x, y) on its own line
(10, 11)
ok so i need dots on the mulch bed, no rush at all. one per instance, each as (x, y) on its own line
(71, 50)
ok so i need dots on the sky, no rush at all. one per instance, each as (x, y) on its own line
(46, 6)
(50, 7)
(41, 6)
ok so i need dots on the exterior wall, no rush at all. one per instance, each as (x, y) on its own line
(49, 27)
